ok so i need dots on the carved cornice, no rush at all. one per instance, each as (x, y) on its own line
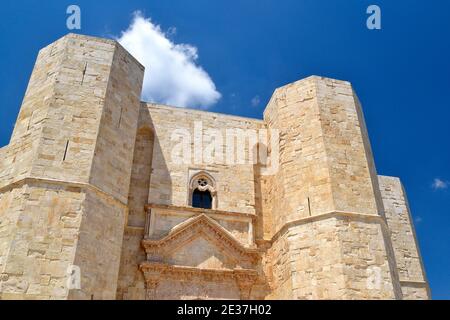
(199, 211)
(154, 272)
(414, 283)
(37, 181)
(354, 216)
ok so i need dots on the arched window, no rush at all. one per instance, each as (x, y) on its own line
(201, 199)
(202, 191)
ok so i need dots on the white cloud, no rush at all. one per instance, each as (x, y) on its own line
(172, 75)
(439, 184)
(255, 101)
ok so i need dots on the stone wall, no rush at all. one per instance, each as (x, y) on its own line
(11, 202)
(60, 208)
(169, 183)
(91, 172)
(325, 162)
(18, 155)
(39, 225)
(191, 290)
(113, 156)
(99, 247)
(407, 254)
(131, 283)
(158, 179)
(52, 227)
(323, 203)
(321, 213)
(339, 257)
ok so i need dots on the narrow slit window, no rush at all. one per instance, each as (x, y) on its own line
(65, 150)
(29, 121)
(84, 73)
(120, 117)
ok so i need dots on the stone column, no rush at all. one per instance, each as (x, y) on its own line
(245, 283)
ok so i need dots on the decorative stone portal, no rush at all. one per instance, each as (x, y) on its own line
(199, 253)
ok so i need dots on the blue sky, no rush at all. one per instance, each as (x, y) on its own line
(249, 47)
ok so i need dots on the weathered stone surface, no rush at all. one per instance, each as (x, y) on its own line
(90, 180)
(407, 254)
(65, 175)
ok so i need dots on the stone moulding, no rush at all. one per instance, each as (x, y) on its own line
(67, 184)
(188, 273)
(199, 211)
(417, 284)
(153, 212)
(327, 215)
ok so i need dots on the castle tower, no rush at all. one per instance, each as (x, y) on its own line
(65, 175)
(92, 205)
(323, 207)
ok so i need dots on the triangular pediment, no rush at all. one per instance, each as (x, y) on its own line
(200, 241)
(201, 252)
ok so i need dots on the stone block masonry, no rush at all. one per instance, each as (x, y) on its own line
(67, 170)
(89, 180)
(407, 254)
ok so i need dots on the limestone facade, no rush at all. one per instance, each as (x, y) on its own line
(97, 193)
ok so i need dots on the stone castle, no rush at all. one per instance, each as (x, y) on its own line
(93, 206)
